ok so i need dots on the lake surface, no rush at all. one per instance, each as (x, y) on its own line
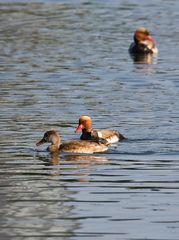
(62, 59)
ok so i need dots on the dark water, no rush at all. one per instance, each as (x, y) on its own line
(61, 59)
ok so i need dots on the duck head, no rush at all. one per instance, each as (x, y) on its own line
(85, 124)
(143, 34)
(52, 137)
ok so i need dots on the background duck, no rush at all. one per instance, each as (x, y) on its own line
(85, 125)
(74, 146)
(143, 42)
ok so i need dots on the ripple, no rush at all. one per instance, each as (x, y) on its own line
(59, 60)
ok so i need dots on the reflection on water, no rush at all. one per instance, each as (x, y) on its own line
(143, 58)
(32, 205)
(62, 59)
(83, 163)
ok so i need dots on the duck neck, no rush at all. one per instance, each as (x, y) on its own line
(53, 148)
(56, 142)
(55, 145)
(87, 130)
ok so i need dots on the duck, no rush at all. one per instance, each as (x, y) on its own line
(71, 146)
(104, 135)
(143, 43)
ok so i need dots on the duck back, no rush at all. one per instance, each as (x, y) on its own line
(81, 146)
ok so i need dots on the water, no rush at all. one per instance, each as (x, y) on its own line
(61, 59)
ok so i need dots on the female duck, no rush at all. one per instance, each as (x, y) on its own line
(108, 136)
(143, 43)
(73, 146)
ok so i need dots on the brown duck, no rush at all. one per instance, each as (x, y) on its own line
(73, 146)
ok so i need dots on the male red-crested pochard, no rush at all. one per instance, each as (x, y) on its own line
(73, 146)
(85, 125)
(143, 43)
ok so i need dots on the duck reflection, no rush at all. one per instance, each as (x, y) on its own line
(143, 58)
(85, 159)
(50, 160)
(55, 159)
(71, 167)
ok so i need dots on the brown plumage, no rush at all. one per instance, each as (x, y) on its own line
(74, 146)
